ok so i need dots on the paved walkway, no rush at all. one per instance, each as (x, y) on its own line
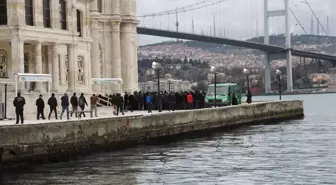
(103, 112)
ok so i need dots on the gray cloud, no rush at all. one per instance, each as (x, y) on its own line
(238, 18)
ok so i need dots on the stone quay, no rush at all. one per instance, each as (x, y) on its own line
(57, 141)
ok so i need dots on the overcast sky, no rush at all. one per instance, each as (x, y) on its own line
(239, 19)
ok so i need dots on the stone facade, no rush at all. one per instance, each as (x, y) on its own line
(74, 40)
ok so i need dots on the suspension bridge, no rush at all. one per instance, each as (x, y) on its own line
(211, 21)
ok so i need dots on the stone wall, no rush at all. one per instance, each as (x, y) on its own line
(24, 143)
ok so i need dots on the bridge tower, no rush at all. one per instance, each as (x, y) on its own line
(288, 54)
(177, 24)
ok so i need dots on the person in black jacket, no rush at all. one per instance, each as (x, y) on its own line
(171, 101)
(82, 102)
(74, 104)
(120, 104)
(65, 105)
(234, 99)
(132, 102)
(141, 101)
(249, 97)
(40, 107)
(19, 103)
(52, 102)
(126, 101)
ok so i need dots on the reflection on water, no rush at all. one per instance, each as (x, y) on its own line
(293, 152)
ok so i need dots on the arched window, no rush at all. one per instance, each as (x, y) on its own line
(46, 14)
(3, 64)
(63, 14)
(3, 12)
(29, 12)
(81, 70)
(100, 6)
(79, 22)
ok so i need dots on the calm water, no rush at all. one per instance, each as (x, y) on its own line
(293, 152)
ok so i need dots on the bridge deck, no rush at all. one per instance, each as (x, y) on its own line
(233, 42)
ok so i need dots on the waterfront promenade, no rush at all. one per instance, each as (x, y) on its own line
(103, 112)
(51, 140)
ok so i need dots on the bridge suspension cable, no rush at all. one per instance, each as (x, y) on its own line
(318, 20)
(200, 5)
(299, 23)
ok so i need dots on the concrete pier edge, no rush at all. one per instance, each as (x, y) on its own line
(54, 142)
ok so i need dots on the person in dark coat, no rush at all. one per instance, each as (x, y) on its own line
(132, 102)
(40, 107)
(19, 103)
(120, 104)
(171, 101)
(141, 101)
(126, 101)
(249, 97)
(52, 102)
(74, 104)
(197, 97)
(82, 102)
(234, 99)
(202, 100)
(65, 105)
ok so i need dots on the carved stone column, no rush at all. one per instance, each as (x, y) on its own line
(38, 64)
(62, 70)
(95, 60)
(55, 68)
(17, 55)
(116, 55)
(38, 13)
(116, 7)
(129, 60)
(71, 68)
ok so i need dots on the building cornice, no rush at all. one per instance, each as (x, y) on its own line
(106, 18)
(31, 34)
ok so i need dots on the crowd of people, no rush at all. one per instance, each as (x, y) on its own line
(170, 101)
(137, 101)
(77, 104)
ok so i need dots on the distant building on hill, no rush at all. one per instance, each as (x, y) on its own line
(165, 85)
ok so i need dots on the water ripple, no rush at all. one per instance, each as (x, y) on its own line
(295, 152)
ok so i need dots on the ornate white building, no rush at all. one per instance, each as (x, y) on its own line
(73, 40)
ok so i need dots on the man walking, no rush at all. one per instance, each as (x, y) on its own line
(171, 102)
(52, 102)
(19, 103)
(74, 104)
(65, 105)
(93, 100)
(120, 104)
(82, 102)
(40, 107)
(149, 102)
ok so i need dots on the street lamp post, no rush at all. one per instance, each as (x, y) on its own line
(213, 69)
(247, 72)
(278, 73)
(156, 66)
(169, 83)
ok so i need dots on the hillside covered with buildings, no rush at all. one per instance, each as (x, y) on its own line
(191, 60)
